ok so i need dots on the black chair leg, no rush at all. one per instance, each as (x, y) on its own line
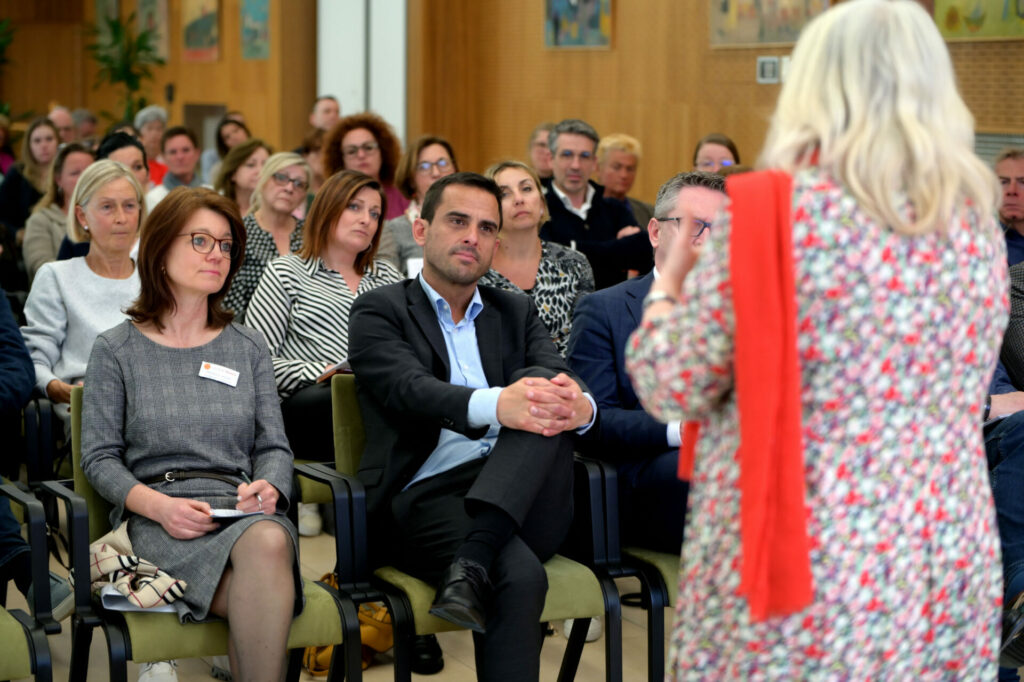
(612, 631)
(404, 624)
(81, 641)
(574, 650)
(655, 597)
(294, 665)
(117, 653)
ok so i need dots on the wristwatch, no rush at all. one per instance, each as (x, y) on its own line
(656, 296)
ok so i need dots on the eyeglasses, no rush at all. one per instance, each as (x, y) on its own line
(203, 243)
(282, 178)
(425, 166)
(706, 164)
(698, 225)
(354, 149)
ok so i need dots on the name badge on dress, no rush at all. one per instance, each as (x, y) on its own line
(224, 375)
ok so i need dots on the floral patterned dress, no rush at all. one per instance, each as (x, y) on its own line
(898, 337)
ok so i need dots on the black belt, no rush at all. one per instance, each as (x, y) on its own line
(179, 475)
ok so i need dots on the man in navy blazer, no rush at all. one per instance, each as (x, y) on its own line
(652, 500)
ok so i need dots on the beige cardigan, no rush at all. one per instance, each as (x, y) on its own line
(43, 234)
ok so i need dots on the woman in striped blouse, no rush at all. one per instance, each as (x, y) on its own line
(302, 302)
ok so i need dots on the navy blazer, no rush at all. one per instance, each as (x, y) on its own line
(601, 327)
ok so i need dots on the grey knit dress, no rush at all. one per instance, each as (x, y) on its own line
(147, 411)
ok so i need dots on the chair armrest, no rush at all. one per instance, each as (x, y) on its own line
(39, 451)
(594, 539)
(35, 518)
(77, 512)
(349, 504)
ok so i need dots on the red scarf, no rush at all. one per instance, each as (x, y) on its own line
(775, 558)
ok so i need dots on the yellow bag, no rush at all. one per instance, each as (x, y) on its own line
(375, 631)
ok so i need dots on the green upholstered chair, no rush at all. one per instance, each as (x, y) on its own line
(24, 651)
(327, 618)
(574, 591)
(658, 572)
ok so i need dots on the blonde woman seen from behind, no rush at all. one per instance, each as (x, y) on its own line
(829, 366)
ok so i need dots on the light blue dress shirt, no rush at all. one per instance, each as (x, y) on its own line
(453, 448)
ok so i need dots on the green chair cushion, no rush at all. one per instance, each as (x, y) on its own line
(310, 491)
(573, 592)
(15, 657)
(159, 636)
(667, 565)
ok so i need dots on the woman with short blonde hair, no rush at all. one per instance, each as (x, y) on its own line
(270, 227)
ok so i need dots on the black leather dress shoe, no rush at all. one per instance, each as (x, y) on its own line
(1011, 651)
(426, 655)
(462, 594)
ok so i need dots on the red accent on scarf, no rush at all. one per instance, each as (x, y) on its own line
(775, 561)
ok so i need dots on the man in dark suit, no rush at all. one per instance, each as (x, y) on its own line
(580, 218)
(652, 500)
(466, 401)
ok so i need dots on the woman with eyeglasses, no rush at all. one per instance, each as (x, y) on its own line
(429, 158)
(715, 152)
(367, 143)
(181, 421)
(554, 276)
(830, 347)
(72, 301)
(302, 303)
(271, 229)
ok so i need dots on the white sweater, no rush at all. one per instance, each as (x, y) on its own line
(68, 306)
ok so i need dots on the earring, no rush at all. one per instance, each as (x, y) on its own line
(85, 227)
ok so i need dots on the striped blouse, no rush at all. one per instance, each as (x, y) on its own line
(259, 250)
(302, 308)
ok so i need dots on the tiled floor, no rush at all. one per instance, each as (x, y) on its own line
(316, 559)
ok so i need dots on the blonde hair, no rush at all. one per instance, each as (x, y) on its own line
(98, 175)
(871, 97)
(276, 163)
(492, 174)
(618, 142)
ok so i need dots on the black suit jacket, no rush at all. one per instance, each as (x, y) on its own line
(595, 237)
(399, 357)
(601, 327)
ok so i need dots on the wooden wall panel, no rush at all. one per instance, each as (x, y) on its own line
(481, 76)
(275, 94)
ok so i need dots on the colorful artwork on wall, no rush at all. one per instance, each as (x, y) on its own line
(578, 23)
(980, 19)
(199, 20)
(743, 23)
(255, 29)
(152, 16)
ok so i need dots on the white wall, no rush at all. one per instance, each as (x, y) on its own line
(361, 52)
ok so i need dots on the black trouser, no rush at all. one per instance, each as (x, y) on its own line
(652, 503)
(527, 476)
(309, 422)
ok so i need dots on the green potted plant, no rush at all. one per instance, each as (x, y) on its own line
(124, 58)
(6, 37)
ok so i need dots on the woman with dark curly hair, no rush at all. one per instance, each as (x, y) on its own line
(367, 143)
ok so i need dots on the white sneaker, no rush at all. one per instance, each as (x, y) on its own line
(310, 522)
(160, 671)
(593, 632)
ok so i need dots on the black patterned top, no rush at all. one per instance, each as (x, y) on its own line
(259, 249)
(564, 277)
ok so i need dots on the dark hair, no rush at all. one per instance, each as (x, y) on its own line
(222, 147)
(669, 191)
(175, 131)
(54, 194)
(331, 201)
(717, 138)
(334, 159)
(114, 141)
(170, 215)
(314, 140)
(572, 126)
(464, 179)
(238, 155)
(406, 175)
(122, 126)
(321, 98)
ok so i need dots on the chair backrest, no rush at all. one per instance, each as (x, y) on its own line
(99, 508)
(349, 436)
